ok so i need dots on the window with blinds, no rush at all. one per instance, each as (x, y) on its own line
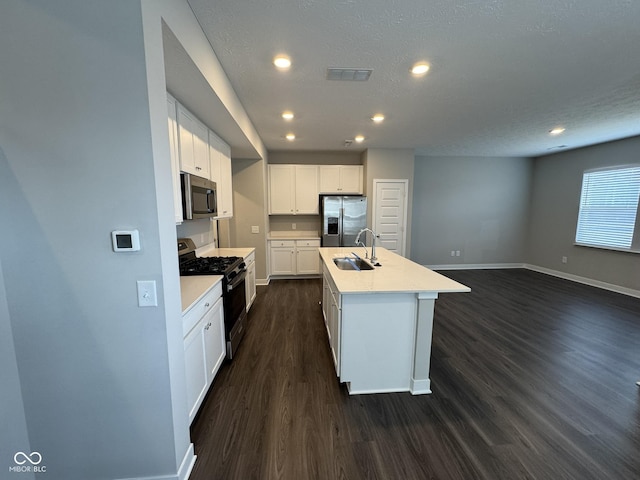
(608, 216)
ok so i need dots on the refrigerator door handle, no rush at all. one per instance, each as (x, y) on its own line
(340, 227)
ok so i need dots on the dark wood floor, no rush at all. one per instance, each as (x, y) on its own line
(533, 377)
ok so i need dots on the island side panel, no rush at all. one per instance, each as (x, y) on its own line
(420, 381)
(377, 342)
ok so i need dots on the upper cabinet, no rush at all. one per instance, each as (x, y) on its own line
(193, 137)
(341, 179)
(175, 156)
(293, 190)
(220, 167)
(197, 150)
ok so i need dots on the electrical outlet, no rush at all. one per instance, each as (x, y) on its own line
(453, 253)
(457, 253)
(293, 226)
(564, 259)
(147, 296)
(255, 229)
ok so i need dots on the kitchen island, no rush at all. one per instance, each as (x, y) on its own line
(380, 321)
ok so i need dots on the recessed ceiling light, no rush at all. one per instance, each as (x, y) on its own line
(282, 62)
(378, 117)
(420, 69)
(291, 137)
(556, 131)
(287, 115)
(359, 138)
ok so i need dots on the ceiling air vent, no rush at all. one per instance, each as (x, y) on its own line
(349, 74)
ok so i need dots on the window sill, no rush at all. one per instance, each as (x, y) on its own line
(601, 247)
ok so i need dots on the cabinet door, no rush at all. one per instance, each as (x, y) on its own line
(306, 187)
(283, 260)
(281, 189)
(175, 157)
(186, 126)
(201, 149)
(250, 283)
(334, 330)
(225, 188)
(195, 369)
(351, 179)
(214, 341)
(330, 179)
(307, 260)
(326, 301)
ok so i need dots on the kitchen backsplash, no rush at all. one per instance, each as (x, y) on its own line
(202, 231)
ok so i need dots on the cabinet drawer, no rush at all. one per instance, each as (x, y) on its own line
(195, 313)
(308, 243)
(283, 243)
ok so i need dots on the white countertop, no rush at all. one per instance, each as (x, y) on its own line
(293, 235)
(193, 288)
(395, 275)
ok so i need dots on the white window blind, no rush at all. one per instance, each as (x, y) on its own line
(609, 207)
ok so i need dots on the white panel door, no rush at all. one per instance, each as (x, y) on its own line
(390, 214)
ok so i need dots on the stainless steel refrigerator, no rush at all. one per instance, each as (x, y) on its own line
(342, 218)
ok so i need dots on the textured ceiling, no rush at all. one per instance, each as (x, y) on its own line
(503, 72)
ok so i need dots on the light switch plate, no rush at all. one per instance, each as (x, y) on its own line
(147, 296)
(255, 229)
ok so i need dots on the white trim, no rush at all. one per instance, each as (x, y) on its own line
(187, 464)
(420, 387)
(547, 271)
(405, 213)
(475, 266)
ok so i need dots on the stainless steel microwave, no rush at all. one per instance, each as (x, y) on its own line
(199, 198)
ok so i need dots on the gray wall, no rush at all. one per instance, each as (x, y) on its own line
(477, 205)
(555, 201)
(77, 162)
(249, 209)
(390, 163)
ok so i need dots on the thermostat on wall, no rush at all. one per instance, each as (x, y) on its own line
(125, 240)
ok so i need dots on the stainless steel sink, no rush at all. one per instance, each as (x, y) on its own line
(349, 263)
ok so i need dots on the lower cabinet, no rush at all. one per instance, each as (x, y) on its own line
(294, 257)
(204, 346)
(250, 281)
(332, 317)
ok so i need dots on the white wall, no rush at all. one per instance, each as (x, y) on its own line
(477, 205)
(97, 374)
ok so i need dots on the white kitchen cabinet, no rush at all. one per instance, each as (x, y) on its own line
(195, 369)
(220, 167)
(306, 190)
(193, 137)
(307, 258)
(332, 312)
(172, 106)
(341, 179)
(293, 190)
(283, 257)
(204, 346)
(214, 342)
(250, 281)
(294, 257)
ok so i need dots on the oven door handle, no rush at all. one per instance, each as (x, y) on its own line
(237, 280)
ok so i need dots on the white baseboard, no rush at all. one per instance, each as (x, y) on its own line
(586, 281)
(420, 387)
(475, 266)
(555, 273)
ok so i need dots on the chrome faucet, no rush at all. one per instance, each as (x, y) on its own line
(373, 257)
(360, 244)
